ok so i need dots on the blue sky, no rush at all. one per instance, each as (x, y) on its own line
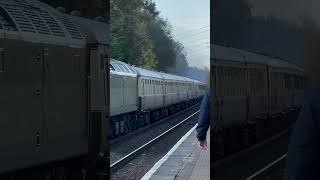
(190, 20)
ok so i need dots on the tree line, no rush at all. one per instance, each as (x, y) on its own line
(141, 37)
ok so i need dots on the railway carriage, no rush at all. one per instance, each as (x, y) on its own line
(124, 88)
(154, 95)
(123, 99)
(229, 87)
(190, 87)
(151, 90)
(171, 86)
(199, 88)
(265, 91)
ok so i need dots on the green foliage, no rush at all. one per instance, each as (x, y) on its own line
(140, 37)
(129, 39)
(151, 7)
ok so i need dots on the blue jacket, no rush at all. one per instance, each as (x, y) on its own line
(204, 118)
(303, 159)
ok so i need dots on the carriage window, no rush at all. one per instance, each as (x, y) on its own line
(133, 70)
(122, 68)
(116, 67)
(111, 68)
(130, 70)
(127, 69)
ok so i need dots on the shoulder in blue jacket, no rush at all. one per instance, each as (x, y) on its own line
(204, 118)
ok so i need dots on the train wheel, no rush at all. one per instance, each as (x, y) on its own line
(126, 124)
(141, 121)
(122, 126)
(152, 117)
(115, 125)
(135, 122)
(163, 112)
(113, 129)
(147, 118)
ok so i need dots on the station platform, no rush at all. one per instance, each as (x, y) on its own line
(184, 161)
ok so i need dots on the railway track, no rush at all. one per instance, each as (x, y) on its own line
(254, 162)
(266, 168)
(120, 138)
(247, 150)
(126, 159)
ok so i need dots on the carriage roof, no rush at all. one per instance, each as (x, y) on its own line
(238, 55)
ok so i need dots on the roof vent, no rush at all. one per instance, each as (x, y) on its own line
(61, 9)
(100, 18)
(75, 13)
